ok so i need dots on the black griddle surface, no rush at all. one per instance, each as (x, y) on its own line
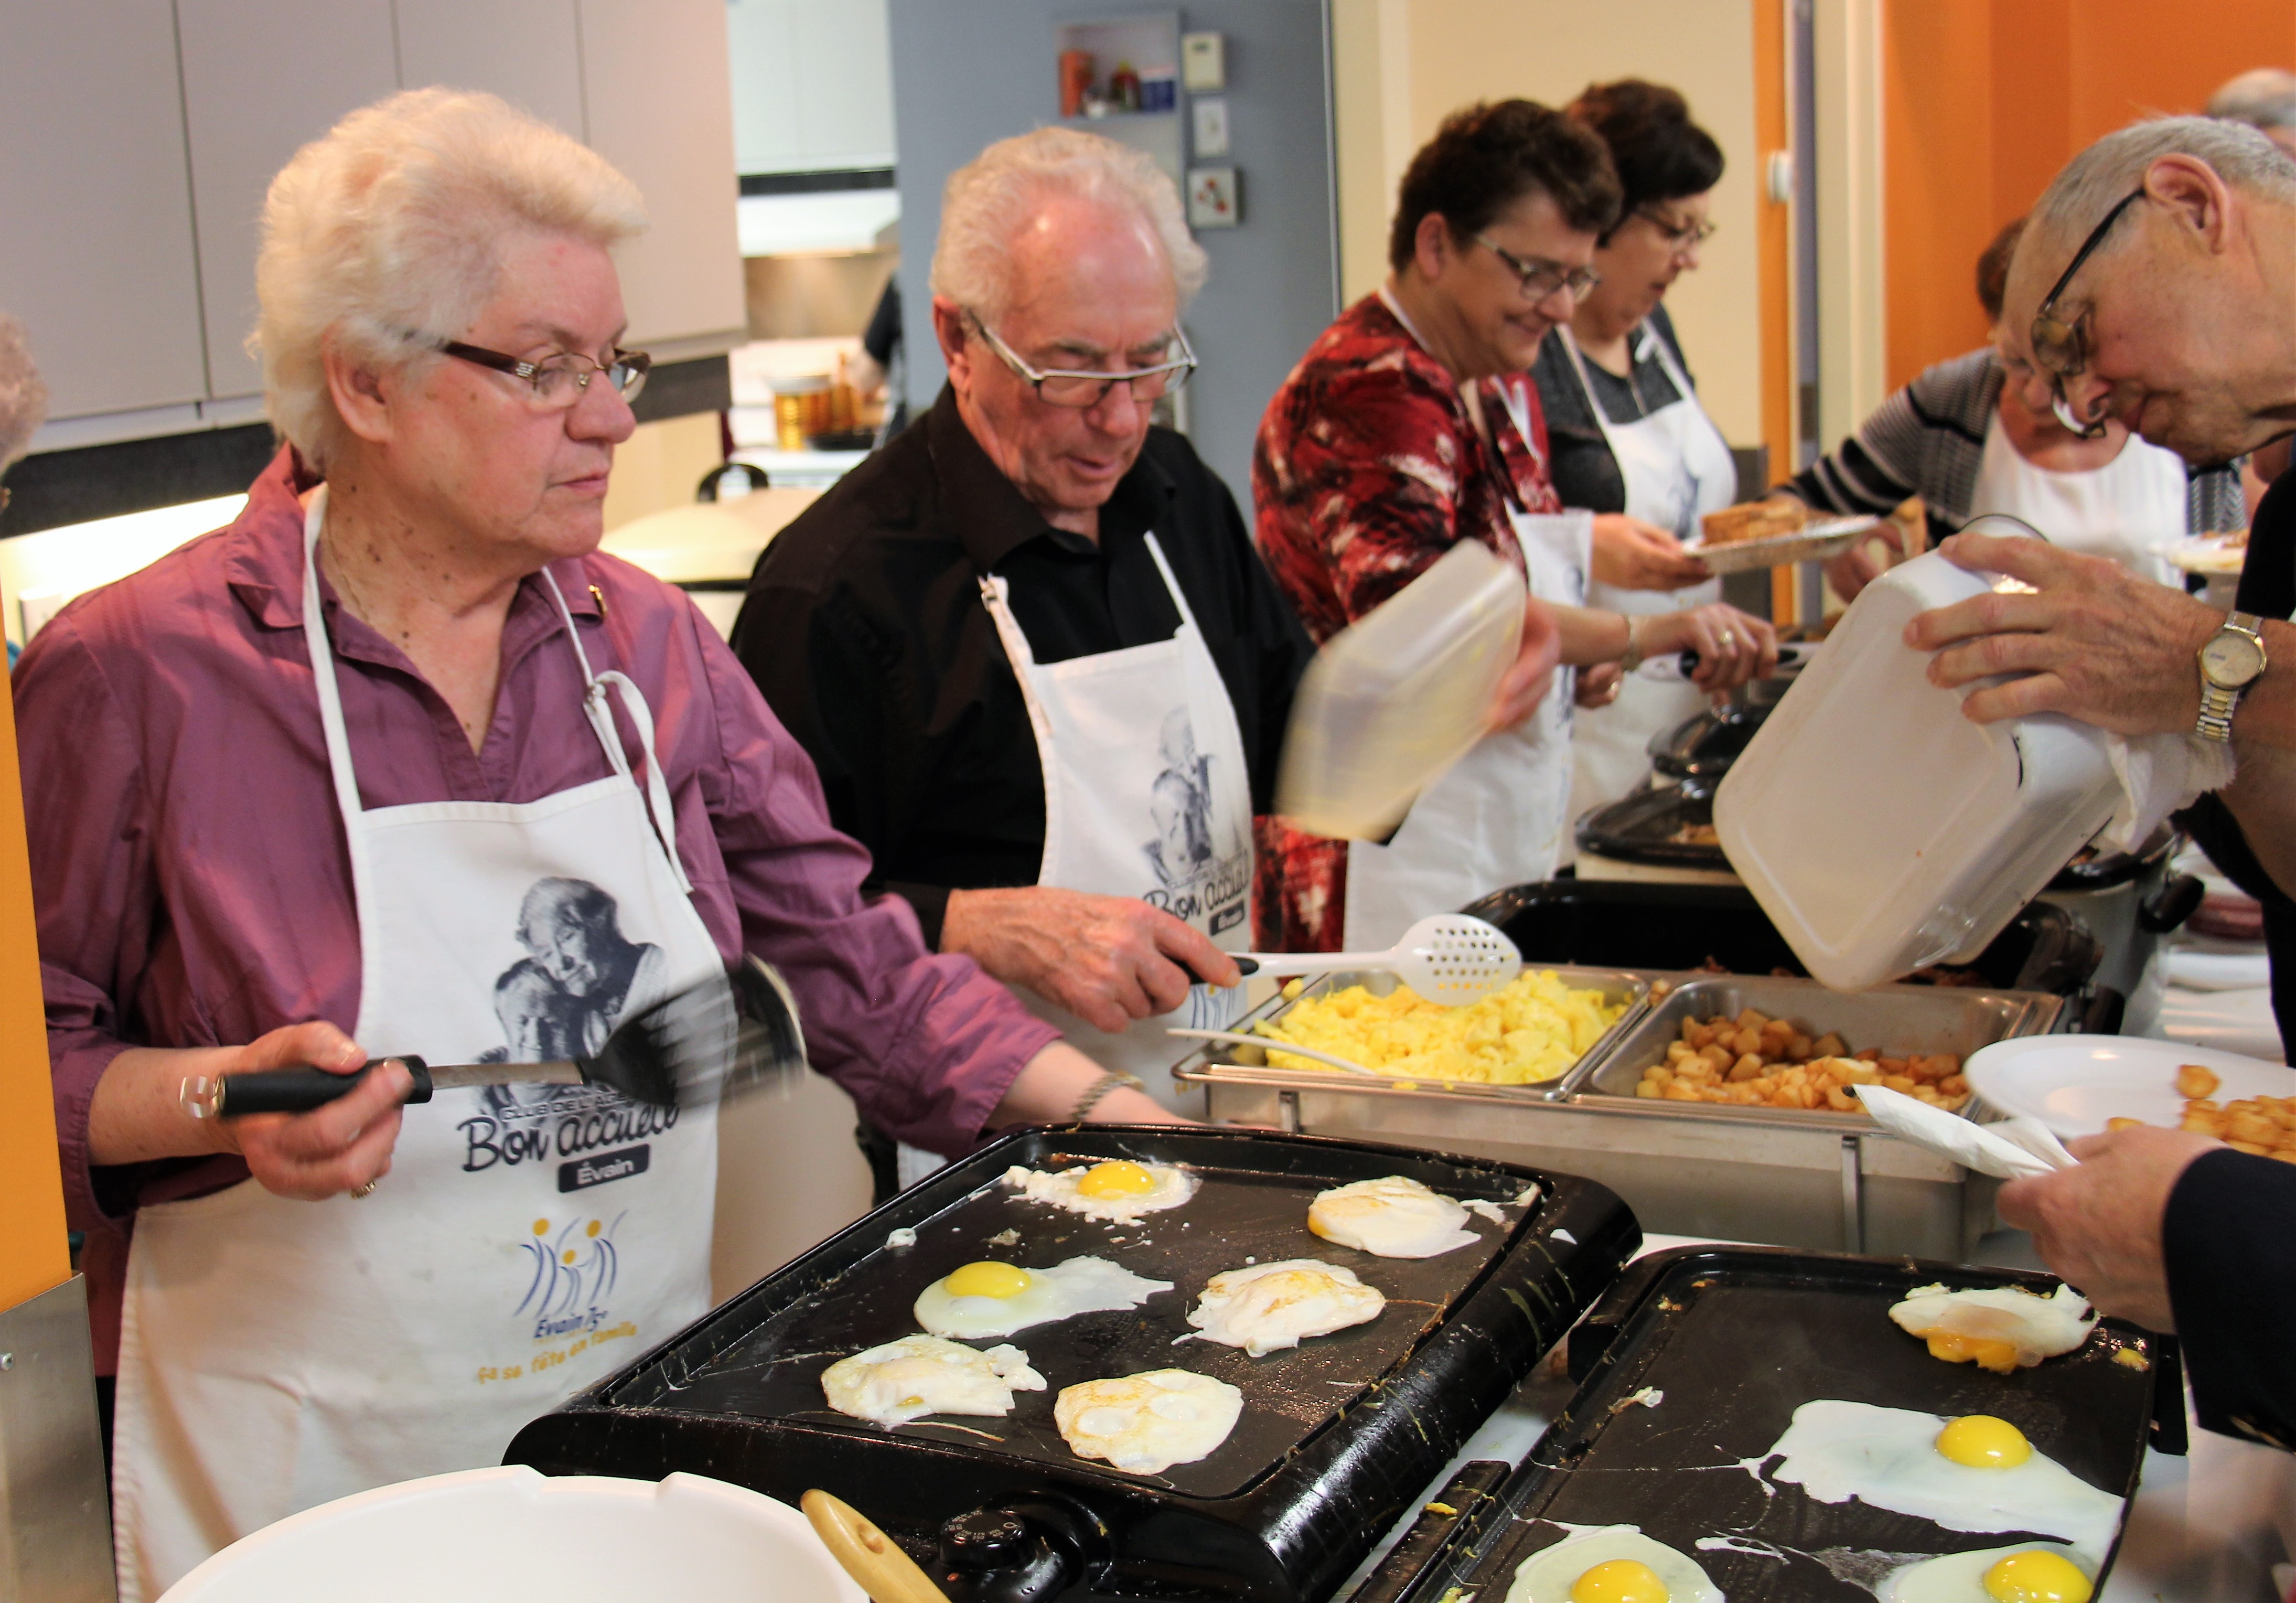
(1737, 1339)
(1238, 1215)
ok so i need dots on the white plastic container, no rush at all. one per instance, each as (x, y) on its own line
(514, 1535)
(1397, 698)
(1880, 829)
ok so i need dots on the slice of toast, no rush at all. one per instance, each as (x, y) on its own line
(1754, 521)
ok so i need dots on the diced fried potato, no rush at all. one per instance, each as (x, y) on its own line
(2112, 1124)
(1828, 1044)
(2192, 1080)
(2250, 1148)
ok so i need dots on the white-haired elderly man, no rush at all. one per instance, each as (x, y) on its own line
(2156, 284)
(993, 634)
(288, 790)
(23, 396)
(2265, 99)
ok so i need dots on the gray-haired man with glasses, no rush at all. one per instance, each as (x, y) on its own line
(1028, 643)
(2156, 285)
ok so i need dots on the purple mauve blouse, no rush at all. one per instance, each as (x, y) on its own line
(189, 867)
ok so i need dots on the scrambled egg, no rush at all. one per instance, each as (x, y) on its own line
(1532, 1030)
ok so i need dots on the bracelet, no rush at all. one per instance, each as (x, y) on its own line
(1632, 657)
(1109, 1079)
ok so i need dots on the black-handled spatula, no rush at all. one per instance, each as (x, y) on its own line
(721, 1037)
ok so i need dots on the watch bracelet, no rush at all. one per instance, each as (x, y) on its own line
(1109, 1079)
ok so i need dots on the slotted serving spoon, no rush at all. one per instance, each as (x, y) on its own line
(1449, 959)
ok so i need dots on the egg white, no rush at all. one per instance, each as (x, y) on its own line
(1058, 1189)
(1888, 1458)
(1080, 1286)
(1144, 1424)
(1393, 1217)
(2037, 1326)
(1265, 1306)
(1547, 1574)
(920, 1374)
(1960, 1577)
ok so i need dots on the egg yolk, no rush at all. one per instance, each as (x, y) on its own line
(2000, 1357)
(988, 1280)
(1116, 1179)
(1620, 1581)
(1981, 1442)
(2039, 1576)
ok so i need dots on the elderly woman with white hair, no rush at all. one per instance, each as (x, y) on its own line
(287, 791)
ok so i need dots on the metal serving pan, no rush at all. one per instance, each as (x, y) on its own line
(1627, 988)
(1335, 1438)
(1735, 1339)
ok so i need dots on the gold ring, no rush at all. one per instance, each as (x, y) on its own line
(365, 1190)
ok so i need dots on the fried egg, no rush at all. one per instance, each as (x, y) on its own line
(2038, 1572)
(1271, 1306)
(1395, 1217)
(1611, 1563)
(2000, 1328)
(1148, 1422)
(1119, 1190)
(921, 1375)
(998, 1299)
(1976, 1472)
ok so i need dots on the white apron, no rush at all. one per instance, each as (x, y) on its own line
(276, 1354)
(1146, 794)
(1676, 468)
(2124, 510)
(1496, 818)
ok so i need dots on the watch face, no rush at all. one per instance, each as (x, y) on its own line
(2231, 660)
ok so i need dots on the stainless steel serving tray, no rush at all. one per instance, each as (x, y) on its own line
(1249, 1064)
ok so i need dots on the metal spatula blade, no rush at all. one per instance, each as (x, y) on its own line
(1449, 959)
(722, 1037)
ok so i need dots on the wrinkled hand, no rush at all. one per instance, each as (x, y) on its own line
(329, 1150)
(1857, 567)
(1108, 959)
(2098, 1226)
(1732, 646)
(1631, 554)
(2095, 642)
(1526, 682)
(1599, 685)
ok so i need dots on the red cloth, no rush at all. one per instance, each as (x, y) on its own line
(1369, 466)
(189, 869)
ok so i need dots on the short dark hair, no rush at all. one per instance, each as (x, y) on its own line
(1660, 155)
(1993, 268)
(1491, 155)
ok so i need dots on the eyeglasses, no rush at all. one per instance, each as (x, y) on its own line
(1682, 236)
(559, 379)
(1541, 279)
(1083, 389)
(2062, 347)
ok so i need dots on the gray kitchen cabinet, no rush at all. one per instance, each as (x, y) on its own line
(99, 262)
(261, 78)
(657, 95)
(529, 52)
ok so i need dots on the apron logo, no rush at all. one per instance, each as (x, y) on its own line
(576, 1265)
(1195, 879)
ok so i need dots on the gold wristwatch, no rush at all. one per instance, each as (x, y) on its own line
(2231, 660)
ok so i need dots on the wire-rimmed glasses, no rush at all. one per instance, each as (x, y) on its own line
(1083, 389)
(1538, 277)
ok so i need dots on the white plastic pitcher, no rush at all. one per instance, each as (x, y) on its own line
(514, 1535)
(1880, 829)
(1397, 698)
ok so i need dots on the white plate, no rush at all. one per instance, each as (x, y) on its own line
(2205, 553)
(2074, 1083)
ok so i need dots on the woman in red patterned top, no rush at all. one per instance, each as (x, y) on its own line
(1411, 424)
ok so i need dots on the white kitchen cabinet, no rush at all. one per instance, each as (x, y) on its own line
(656, 90)
(813, 84)
(99, 261)
(529, 52)
(261, 78)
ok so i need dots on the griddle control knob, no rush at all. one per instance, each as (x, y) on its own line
(986, 1538)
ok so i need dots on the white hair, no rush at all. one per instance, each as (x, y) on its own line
(23, 394)
(991, 198)
(2264, 98)
(383, 237)
(2100, 176)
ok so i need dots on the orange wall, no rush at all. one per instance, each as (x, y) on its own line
(1983, 101)
(33, 1255)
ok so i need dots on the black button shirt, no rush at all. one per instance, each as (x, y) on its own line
(864, 627)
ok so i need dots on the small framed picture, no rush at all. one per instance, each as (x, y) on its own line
(1211, 125)
(1214, 198)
